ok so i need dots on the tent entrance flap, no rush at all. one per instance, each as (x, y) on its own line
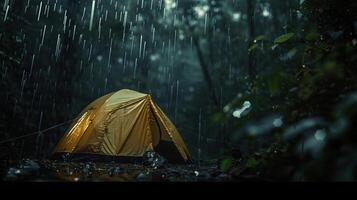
(169, 151)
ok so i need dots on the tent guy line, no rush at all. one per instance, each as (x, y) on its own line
(38, 132)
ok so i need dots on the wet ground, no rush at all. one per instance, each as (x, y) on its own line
(49, 170)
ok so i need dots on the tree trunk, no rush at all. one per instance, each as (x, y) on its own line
(204, 66)
(206, 74)
(251, 35)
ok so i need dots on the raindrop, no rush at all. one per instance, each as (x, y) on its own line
(132, 45)
(33, 59)
(65, 21)
(55, 6)
(135, 65)
(6, 13)
(124, 24)
(83, 14)
(205, 30)
(6, 3)
(74, 31)
(151, 4)
(23, 81)
(153, 34)
(99, 28)
(140, 45)
(58, 46)
(144, 48)
(92, 16)
(39, 12)
(43, 34)
(90, 52)
(110, 54)
(27, 5)
(80, 38)
(47, 10)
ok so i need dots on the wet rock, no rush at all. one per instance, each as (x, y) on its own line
(66, 157)
(68, 171)
(223, 177)
(203, 176)
(171, 179)
(30, 164)
(114, 171)
(88, 169)
(197, 173)
(26, 168)
(153, 159)
(12, 174)
(143, 177)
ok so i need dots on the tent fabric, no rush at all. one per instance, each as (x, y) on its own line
(123, 123)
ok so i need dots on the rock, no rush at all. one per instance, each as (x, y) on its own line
(12, 174)
(25, 169)
(143, 177)
(203, 176)
(223, 177)
(114, 171)
(88, 169)
(30, 166)
(66, 157)
(153, 159)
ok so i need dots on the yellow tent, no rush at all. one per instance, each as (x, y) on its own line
(125, 123)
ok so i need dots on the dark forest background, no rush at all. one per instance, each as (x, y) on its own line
(262, 85)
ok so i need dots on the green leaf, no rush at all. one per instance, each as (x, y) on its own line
(226, 164)
(252, 163)
(283, 38)
(260, 37)
(254, 46)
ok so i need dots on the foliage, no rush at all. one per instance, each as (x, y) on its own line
(292, 121)
(326, 50)
(283, 38)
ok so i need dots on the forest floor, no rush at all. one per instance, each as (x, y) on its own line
(49, 170)
(271, 165)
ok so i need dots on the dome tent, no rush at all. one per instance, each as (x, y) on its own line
(123, 124)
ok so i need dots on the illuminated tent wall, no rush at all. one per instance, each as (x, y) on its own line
(123, 124)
